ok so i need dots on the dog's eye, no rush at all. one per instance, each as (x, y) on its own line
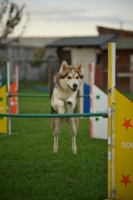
(69, 77)
(77, 77)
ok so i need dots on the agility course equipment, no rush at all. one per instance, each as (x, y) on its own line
(14, 90)
(8, 105)
(9, 98)
(52, 115)
(13, 98)
(85, 102)
(0, 79)
(120, 137)
(98, 103)
(3, 109)
(39, 96)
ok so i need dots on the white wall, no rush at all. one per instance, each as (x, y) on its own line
(86, 55)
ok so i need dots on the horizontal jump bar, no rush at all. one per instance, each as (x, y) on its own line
(29, 95)
(39, 96)
(53, 115)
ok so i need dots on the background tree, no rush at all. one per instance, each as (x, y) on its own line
(10, 17)
(38, 58)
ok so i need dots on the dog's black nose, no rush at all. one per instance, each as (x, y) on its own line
(75, 85)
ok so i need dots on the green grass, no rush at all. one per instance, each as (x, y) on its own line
(31, 84)
(29, 170)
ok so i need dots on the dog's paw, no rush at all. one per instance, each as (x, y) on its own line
(74, 149)
(55, 147)
(71, 102)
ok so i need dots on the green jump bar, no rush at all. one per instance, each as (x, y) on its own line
(53, 115)
(38, 96)
(29, 95)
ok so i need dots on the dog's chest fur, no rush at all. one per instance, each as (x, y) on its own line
(64, 95)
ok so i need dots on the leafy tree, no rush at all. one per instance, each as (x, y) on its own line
(10, 18)
(38, 58)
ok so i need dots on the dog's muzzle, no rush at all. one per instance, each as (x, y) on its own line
(74, 88)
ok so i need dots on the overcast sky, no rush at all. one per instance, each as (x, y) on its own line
(76, 17)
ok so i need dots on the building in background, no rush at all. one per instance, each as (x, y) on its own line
(124, 64)
(37, 58)
(95, 49)
(86, 49)
(124, 58)
(119, 32)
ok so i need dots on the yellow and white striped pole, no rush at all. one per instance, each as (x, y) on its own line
(111, 85)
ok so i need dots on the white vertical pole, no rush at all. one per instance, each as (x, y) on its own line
(112, 116)
(7, 94)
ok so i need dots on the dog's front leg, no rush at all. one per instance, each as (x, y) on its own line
(72, 103)
(58, 105)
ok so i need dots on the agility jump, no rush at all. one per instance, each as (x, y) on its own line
(120, 135)
(98, 103)
(9, 99)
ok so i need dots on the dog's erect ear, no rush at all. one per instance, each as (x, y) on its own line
(79, 68)
(63, 69)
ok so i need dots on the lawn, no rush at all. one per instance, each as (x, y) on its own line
(29, 169)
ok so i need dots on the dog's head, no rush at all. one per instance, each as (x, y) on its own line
(72, 76)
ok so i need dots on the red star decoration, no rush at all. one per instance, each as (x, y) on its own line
(125, 180)
(127, 124)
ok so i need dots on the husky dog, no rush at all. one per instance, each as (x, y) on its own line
(63, 99)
